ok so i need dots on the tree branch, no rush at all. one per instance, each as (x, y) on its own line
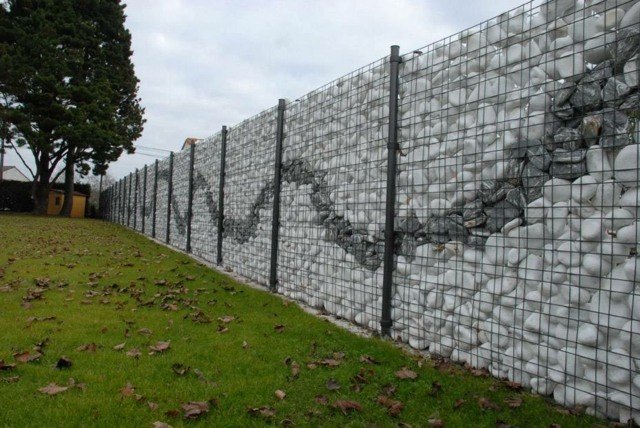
(22, 159)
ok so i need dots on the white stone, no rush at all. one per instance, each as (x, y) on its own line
(534, 212)
(583, 188)
(607, 195)
(598, 164)
(617, 282)
(502, 285)
(626, 165)
(632, 269)
(588, 335)
(557, 190)
(569, 254)
(595, 49)
(592, 229)
(630, 336)
(617, 218)
(609, 19)
(632, 17)
(530, 268)
(630, 200)
(595, 264)
(629, 234)
(570, 65)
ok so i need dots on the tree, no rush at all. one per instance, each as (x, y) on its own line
(69, 87)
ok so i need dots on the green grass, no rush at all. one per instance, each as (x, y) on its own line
(101, 281)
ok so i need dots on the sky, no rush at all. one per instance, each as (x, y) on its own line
(207, 63)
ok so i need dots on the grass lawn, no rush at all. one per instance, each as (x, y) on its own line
(147, 330)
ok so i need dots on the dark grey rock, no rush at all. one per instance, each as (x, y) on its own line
(568, 138)
(500, 214)
(513, 171)
(521, 147)
(587, 96)
(473, 214)
(561, 107)
(568, 171)
(590, 128)
(616, 129)
(600, 73)
(455, 227)
(614, 92)
(627, 44)
(491, 191)
(437, 226)
(532, 181)
(409, 224)
(539, 156)
(517, 198)
(631, 103)
(569, 156)
(406, 246)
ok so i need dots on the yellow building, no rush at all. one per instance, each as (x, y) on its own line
(56, 199)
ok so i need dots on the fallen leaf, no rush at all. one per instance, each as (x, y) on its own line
(222, 329)
(487, 404)
(128, 390)
(513, 385)
(264, 411)
(295, 369)
(280, 394)
(368, 359)
(152, 406)
(330, 362)
(435, 423)
(245, 345)
(134, 353)
(226, 319)
(279, 328)
(436, 388)
(333, 385)
(389, 390)
(195, 409)
(513, 402)
(158, 424)
(502, 424)
(120, 346)
(480, 372)
(406, 373)
(346, 406)
(394, 407)
(145, 331)
(10, 379)
(89, 347)
(6, 367)
(160, 347)
(180, 369)
(27, 357)
(63, 363)
(312, 366)
(53, 389)
(160, 282)
(459, 402)
(321, 399)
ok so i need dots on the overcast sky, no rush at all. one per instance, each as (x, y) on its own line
(207, 63)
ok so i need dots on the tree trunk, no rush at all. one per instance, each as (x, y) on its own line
(41, 186)
(69, 167)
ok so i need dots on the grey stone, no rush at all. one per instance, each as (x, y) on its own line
(539, 156)
(561, 107)
(590, 128)
(616, 129)
(587, 96)
(491, 191)
(409, 224)
(568, 171)
(500, 214)
(568, 138)
(437, 226)
(532, 181)
(517, 198)
(614, 92)
(627, 44)
(513, 171)
(406, 246)
(455, 227)
(600, 73)
(569, 156)
(473, 214)
(631, 103)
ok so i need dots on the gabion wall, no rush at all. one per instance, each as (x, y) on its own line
(516, 234)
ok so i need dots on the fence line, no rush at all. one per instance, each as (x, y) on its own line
(476, 198)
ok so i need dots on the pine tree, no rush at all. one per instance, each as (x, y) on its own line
(70, 87)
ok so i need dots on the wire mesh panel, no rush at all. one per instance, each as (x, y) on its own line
(333, 192)
(206, 178)
(136, 194)
(517, 194)
(161, 200)
(248, 196)
(148, 203)
(180, 199)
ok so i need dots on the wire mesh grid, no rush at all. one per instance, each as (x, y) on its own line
(162, 199)
(206, 178)
(248, 196)
(137, 200)
(333, 192)
(517, 186)
(180, 199)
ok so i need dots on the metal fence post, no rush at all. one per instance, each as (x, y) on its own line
(223, 155)
(169, 196)
(155, 198)
(144, 198)
(389, 227)
(135, 201)
(275, 221)
(190, 200)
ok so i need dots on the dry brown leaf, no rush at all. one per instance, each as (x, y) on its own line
(406, 373)
(264, 411)
(295, 369)
(279, 328)
(134, 353)
(120, 346)
(128, 390)
(346, 406)
(436, 388)
(435, 423)
(6, 367)
(389, 390)
(180, 369)
(321, 399)
(152, 406)
(160, 347)
(27, 357)
(394, 407)
(280, 394)
(245, 345)
(53, 389)
(513, 402)
(89, 347)
(513, 385)
(63, 363)
(226, 319)
(195, 409)
(10, 379)
(368, 359)
(459, 402)
(158, 424)
(330, 362)
(487, 404)
(333, 385)
(145, 331)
